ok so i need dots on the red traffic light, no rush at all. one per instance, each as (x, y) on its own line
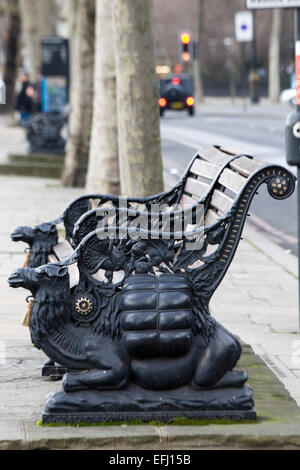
(185, 38)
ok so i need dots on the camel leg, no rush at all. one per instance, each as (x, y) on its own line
(110, 369)
(219, 358)
(95, 379)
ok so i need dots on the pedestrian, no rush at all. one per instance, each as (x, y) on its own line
(24, 100)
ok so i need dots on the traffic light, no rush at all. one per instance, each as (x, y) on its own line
(186, 47)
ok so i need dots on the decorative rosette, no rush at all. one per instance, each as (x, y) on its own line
(281, 186)
(84, 307)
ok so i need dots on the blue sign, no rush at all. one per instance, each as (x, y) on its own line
(54, 94)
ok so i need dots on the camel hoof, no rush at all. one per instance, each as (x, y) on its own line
(232, 379)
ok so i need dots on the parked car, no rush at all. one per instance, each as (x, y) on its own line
(176, 92)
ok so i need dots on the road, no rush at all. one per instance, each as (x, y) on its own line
(262, 135)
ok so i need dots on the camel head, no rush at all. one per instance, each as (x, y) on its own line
(50, 276)
(41, 240)
(50, 288)
(23, 234)
(41, 233)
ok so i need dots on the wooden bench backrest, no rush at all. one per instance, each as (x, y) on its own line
(211, 165)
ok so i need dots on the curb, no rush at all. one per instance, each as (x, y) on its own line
(176, 438)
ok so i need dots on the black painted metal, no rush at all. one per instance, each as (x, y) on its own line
(40, 239)
(144, 405)
(44, 133)
(150, 328)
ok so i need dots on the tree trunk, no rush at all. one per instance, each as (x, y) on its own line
(39, 19)
(11, 56)
(274, 56)
(137, 98)
(103, 172)
(82, 52)
(197, 65)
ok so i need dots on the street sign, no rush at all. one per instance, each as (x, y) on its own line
(263, 4)
(244, 26)
(55, 57)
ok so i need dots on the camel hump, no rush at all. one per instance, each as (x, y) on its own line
(156, 316)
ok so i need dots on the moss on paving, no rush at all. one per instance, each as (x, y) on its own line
(37, 157)
(180, 421)
(272, 401)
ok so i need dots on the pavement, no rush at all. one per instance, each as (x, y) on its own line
(243, 106)
(12, 137)
(257, 301)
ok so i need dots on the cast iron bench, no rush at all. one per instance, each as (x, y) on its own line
(215, 175)
(222, 181)
(137, 326)
(44, 131)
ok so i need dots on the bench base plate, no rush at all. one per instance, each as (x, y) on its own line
(135, 403)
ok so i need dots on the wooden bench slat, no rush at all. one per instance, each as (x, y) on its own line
(211, 217)
(246, 166)
(186, 201)
(100, 276)
(74, 275)
(205, 169)
(52, 259)
(196, 188)
(221, 201)
(232, 151)
(63, 250)
(213, 155)
(232, 181)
